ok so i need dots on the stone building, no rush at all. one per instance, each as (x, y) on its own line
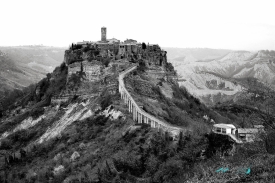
(112, 49)
(122, 49)
(247, 134)
(103, 34)
(130, 41)
(113, 41)
(134, 48)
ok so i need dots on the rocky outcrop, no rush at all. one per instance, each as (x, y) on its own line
(74, 68)
(92, 70)
(72, 56)
(75, 156)
(58, 170)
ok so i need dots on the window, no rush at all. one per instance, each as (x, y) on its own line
(223, 130)
(218, 129)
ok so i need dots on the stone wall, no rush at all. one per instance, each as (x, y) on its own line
(93, 70)
(74, 68)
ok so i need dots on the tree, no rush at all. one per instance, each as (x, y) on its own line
(143, 46)
(74, 82)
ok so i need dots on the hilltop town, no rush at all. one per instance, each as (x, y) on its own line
(103, 65)
(93, 57)
(101, 61)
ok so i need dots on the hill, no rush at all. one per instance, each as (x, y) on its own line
(25, 65)
(226, 70)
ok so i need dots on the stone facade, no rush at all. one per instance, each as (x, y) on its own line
(74, 68)
(93, 70)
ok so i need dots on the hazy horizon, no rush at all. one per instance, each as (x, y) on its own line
(233, 25)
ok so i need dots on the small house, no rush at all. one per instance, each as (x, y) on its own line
(224, 128)
(122, 49)
(130, 41)
(247, 134)
(113, 41)
(259, 127)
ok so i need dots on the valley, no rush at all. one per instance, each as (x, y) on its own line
(227, 70)
(25, 65)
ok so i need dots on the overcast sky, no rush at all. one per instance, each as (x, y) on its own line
(232, 24)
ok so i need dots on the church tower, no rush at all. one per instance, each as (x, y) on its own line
(103, 33)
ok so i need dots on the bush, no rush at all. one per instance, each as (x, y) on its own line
(36, 112)
(86, 49)
(270, 142)
(6, 144)
(141, 66)
(181, 104)
(106, 101)
(76, 47)
(143, 46)
(106, 61)
(176, 116)
(180, 92)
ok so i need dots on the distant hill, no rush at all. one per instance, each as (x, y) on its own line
(180, 54)
(23, 65)
(203, 76)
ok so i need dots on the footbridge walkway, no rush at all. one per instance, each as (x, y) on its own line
(139, 115)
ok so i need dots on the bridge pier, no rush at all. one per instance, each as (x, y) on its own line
(133, 114)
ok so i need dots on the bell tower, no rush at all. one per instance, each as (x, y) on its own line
(103, 33)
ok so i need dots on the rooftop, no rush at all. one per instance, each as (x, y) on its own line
(221, 125)
(258, 126)
(247, 130)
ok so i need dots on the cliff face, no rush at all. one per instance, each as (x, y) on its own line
(72, 56)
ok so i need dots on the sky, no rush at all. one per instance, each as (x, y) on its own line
(220, 24)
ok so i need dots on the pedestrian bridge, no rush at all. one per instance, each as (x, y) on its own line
(139, 115)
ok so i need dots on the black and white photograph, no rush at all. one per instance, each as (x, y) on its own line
(147, 91)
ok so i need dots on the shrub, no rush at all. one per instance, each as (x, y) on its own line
(76, 47)
(106, 101)
(86, 49)
(6, 144)
(36, 112)
(141, 66)
(143, 46)
(270, 142)
(182, 105)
